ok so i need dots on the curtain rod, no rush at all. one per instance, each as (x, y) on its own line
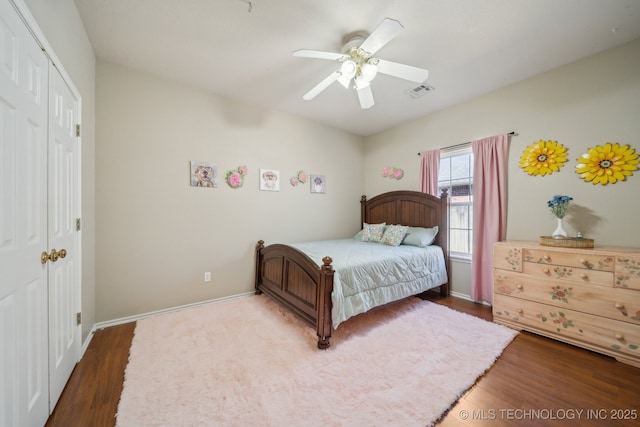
(464, 143)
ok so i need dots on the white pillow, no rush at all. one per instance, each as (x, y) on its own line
(420, 236)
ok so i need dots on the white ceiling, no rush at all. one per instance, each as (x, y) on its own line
(242, 50)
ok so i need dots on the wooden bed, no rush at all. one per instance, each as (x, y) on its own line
(297, 282)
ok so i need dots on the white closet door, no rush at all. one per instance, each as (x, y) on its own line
(23, 225)
(64, 151)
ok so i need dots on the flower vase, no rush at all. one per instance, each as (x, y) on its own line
(559, 232)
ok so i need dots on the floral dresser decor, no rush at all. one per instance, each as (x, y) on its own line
(607, 164)
(543, 157)
(586, 297)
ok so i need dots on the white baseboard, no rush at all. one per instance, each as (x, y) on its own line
(459, 295)
(128, 319)
(468, 298)
(87, 341)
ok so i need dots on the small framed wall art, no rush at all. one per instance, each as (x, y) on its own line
(318, 184)
(269, 180)
(203, 174)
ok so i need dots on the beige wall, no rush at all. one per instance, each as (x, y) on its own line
(61, 25)
(156, 235)
(581, 105)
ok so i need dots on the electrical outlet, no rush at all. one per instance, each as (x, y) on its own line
(207, 276)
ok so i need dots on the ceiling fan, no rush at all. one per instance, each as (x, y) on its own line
(360, 67)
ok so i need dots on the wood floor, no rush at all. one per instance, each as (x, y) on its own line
(536, 381)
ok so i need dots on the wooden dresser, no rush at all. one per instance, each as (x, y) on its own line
(586, 297)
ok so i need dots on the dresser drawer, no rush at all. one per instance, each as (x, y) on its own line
(582, 259)
(594, 332)
(507, 257)
(628, 272)
(617, 304)
(566, 273)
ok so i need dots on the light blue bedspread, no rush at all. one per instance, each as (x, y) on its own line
(372, 274)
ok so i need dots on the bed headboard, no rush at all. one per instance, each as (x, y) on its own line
(412, 208)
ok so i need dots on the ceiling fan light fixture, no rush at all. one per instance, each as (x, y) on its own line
(368, 71)
(348, 71)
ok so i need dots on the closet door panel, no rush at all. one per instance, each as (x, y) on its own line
(23, 224)
(64, 331)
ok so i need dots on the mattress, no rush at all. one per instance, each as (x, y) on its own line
(369, 274)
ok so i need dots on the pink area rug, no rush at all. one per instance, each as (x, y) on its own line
(249, 362)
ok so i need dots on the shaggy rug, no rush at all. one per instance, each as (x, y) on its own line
(249, 362)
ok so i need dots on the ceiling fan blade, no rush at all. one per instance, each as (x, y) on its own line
(365, 96)
(383, 34)
(306, 53)
(322, 86)
(403, 71)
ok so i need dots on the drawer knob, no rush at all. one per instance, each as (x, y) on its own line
(520, 311)
(584, 261)
(618, 336)
(519, 287)
(584, 276)
(546, 257)
(546, 271)
(618, 305)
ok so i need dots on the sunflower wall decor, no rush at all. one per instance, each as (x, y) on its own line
(543, 157)
(607, 164)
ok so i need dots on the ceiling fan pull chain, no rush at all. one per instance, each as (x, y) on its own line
(249, 3)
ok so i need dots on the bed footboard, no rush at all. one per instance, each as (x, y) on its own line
(296, 281)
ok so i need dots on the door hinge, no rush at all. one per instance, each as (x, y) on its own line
(77, 130)
(77, 224)
(78, 318)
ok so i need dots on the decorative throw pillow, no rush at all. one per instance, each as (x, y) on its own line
(419, 236)
(373, 232)
(394, 234)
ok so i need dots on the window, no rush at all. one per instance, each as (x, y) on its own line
(456, 175)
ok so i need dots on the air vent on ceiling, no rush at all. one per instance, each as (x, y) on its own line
(417, 92)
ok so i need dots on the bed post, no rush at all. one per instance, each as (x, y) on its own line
(363, 204)
(259, 248)
(444, 239)
(323, 322)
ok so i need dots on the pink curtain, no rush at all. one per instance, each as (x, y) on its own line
(489, 210)
(429, 168)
